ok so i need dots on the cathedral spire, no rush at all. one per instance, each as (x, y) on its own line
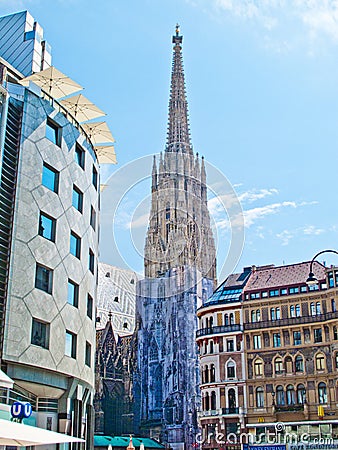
(178, 137)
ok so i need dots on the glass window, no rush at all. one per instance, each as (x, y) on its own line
(258, 366)
(44, 278)
(313, 287)
(335, 333)
(264, 294)
(73, 293)
(91, 262)
(274, 293)
(280, 399)
(79, 156)
(277, 313)
(258, 315)
(333, 305)
(260, 397)
(290, 395)
(322, 394)
(272, 314)
(336, 360)
(283, 291)
(50, 178)
(312, 309)
(40, 333)
(254, 295)
(253, 316)
(90, 303)
(276, 340)
(53, 132)
(231, 370)
(320, 362)
(95, 178)
(318, 308)
(257, 341)
(77, 199)
(88, 354)
(47, 226)
(278, 365)
(297, 310)
(230, 345)
(330, 278)
(92, 218)
(70, 349)
(301, 394)
(294, 290)
(299, 364)
(303, 289)
(292, 311)
(75, 245)
(297, 338)
(317, 335)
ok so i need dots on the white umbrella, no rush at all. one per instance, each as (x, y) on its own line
(82, 108)
(5, 381)
(18, 434)
(54, 82)
(98, 132)
(105, 154)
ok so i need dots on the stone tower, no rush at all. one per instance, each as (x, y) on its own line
(180, 270)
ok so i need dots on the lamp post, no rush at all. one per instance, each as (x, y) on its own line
(311, 278)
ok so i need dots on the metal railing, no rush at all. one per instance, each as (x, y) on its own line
(291, 321)
(219, 329)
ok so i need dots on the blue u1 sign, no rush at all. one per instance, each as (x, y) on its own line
(21, 410)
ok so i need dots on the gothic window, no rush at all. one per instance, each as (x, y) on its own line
(299, 364)
(207, 402)
(290, 395)
(301, 394)
(288, 364)
(226, 319)
(167, 211)
(211, 346)
(297, 310)
(231, 369)
(278, 365)
(320, 361)
(153, 352)
(231, 316)
(206, 374)
(231, 400)
(322, 393)
(258, 367)
(280, 396)
(260, 397)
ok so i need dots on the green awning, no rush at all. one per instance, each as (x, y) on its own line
(123, 441)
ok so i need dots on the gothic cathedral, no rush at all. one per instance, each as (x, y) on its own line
(180, 271)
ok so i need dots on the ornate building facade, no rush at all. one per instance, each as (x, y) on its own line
(180, 270)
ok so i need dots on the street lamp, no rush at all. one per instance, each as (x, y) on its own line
(312, 280)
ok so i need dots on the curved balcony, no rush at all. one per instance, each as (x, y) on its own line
(219, 329)
(291, 321)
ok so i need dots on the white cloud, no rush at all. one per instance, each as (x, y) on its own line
(254, 195)
(307, 230)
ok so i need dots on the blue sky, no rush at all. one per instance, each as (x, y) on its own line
(262, 84)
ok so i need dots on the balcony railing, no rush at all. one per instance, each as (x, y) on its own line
(218, 412)
(291, 321)
(219, 329)
(230, 411)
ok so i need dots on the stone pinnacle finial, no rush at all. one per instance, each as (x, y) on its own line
(177, 39)
(110, 315)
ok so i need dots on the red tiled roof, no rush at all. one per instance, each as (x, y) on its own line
(293, 274)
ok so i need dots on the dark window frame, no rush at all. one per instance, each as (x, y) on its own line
(77, 238)
(53, 227)
(56, 174)
(38, 283)
(43, 339)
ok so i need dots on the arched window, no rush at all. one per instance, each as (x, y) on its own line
(320, 361)
(226, 319)
(280, 399)
(260, 397)
(253, 316)
(206, 374)
(231, 400)
(299, 364)
(288, 364)
(231, 369)
(292, 311)
(277, 313)
(297, 310)
(213, 401)
(335, 333)
(290, 395)
(322, 394)
(301, 394)
(211, 322)
(278, 365)
(212, 374)
(258, 315)
(318, 308)
(211, 346)
(167, 211)
(231, 318)
(272, 314)
(258, 367)
(312, 309)
(207, 402)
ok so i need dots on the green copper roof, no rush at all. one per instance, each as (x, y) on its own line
(123, 441)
